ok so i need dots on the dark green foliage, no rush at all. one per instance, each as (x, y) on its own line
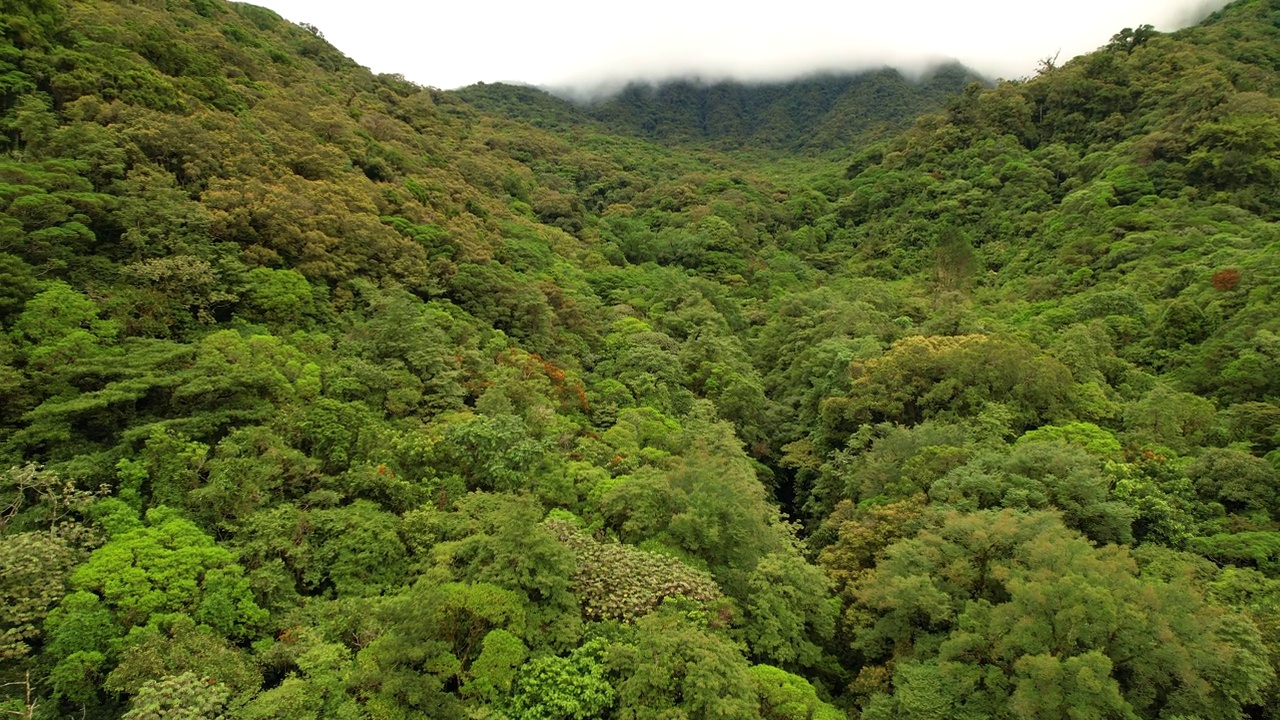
(1256, 549)
(176, 644)
(990, 639)
(1238, 480)
(820, 112)
(498, 539)
(669, 665)
(433, 635)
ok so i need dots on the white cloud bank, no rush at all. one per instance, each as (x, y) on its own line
(452, 43)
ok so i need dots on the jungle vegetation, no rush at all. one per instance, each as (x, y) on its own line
(326, 395)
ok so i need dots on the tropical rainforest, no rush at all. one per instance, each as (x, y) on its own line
(327, 395)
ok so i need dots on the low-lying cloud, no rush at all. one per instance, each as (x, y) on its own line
(574, 43)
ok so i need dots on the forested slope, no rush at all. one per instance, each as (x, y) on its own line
(330, 396)
(810, 114)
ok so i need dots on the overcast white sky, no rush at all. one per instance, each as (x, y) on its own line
(451, 43)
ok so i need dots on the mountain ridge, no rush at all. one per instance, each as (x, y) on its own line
(816, 112)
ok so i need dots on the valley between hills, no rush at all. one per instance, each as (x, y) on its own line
(325, 395)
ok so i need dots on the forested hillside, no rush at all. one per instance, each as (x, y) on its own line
(812, 114)
(325, 395)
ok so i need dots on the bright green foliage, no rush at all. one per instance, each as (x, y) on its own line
(155, 581)
(784, 696)
(80, 635)
(1087, 436)
(562, 688)
(59, 326)
(279, 298)
(1160, 499)
(241, 374)
(497, 666)
(78, 677)
(169, 565)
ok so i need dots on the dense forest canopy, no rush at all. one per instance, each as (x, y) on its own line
(325, 395)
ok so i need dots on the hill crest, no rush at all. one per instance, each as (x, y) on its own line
(816, 112)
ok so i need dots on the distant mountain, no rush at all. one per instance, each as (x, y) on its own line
(819, 112)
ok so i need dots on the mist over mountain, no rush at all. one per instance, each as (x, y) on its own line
(565, 43)
(815, 112)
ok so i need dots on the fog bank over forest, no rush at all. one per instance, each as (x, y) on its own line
(564, 44)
